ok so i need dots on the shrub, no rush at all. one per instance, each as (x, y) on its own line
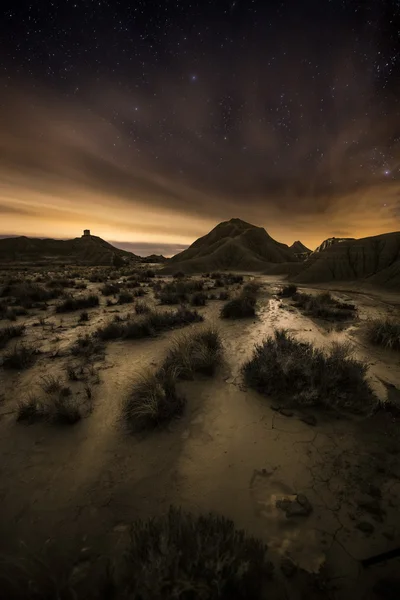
(180, 555)
(195, 353)
(141, 308)
(251, 288)
(303, 375)
(125, 298)
(223, 295)
(12, 331)
(178, 275)
(153, 401)
(20, 357)
(288, 291)
(51, 384)
(70, 304)
(84, 317)
(110, 289)
(28, 294)
(60, 283)
(384, 333)
(139, 292)
(198, 299)
(86, 346)
(238, 308)
(148, 325)
(232, 278)
(324, 306)
(30, 410)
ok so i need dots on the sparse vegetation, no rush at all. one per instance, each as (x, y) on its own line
(110, 289)
(61, 408)
(324, 306)
(178, 275)
(84, 316)
(200, 352)
(12, 331)
(384, 333)
(288, 291)
(87, 346)
(125, 298)
(176, 555)
(224, 295)
(148, 325)
(22, 356)
(70, 304)
(300, 374)
(239, 308)
(198, 299)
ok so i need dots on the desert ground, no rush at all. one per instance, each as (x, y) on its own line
(320, 486)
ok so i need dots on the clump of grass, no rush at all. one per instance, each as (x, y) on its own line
(71, 304)
(198, 299)
(110, 289)
(242, 306)
(324, 306)
(384, 333)
(153, 401)
(288, 291)
(10, 332)
(86, 346)
(22, 356)
(30, 410)
(51, 384)
(60, 283)
(28, 294)
(65, 410)
(200, 352)
(84, 316)
(302, 375)
(139, 292)
(251, 288)
(178, 275)
(180, 555)
(141, 308)
(125, 298)
(178, 292)
(148, 324)
(223, 295)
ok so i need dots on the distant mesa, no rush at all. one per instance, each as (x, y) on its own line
(232, 245)
(85, 250)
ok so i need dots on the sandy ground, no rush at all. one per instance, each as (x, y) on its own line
(77, 489)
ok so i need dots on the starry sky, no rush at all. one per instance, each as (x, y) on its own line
(150, 122)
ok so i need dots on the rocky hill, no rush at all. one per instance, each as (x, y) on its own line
(231, 245)
(375, 260)
(85, 250)
(330, 242)
(299, 248)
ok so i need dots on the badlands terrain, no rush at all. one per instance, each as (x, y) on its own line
(128, 390)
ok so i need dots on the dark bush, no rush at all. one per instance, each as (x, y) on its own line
(110, 289)
(242, 306)
(12, 331)
(178, 275)
(199, 352)
(299, 374)
(22, 356)
(70, 304)
(288, 291)
(125, 298)
(198, 299)
(324, 306)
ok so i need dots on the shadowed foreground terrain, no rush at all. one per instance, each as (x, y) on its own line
(246, 444)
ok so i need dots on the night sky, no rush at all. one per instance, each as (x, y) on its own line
(150, 122)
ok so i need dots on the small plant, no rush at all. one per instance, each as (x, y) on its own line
(223, 295)
(65, 410)
(86, 346)
(84, 317)
(288, 291)
(110, 289)
(243, 306)
(51, 384)
(125, 298)
(10, 332)
(178, 275)
(30, 410)
(153, 400)
(72, 373)
(384, 333)
(198, 299)
(141, 308)
(22, 356)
